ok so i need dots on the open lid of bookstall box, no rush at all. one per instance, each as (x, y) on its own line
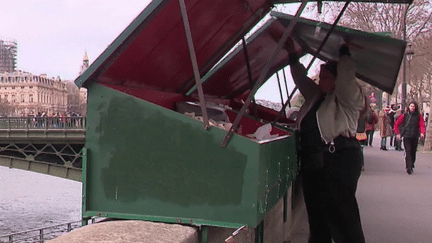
(378, 57)
(152, 58)
(152, 52)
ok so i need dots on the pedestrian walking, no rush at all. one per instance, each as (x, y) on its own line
(371, 120)
(397, 140)
(384, 127)
(410, 126)
(391, 114)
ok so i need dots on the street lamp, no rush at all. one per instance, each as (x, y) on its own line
(409, 52)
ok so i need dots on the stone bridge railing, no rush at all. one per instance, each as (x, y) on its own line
(35, 123)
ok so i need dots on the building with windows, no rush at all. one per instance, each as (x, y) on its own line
(22, 93)
(28, 94)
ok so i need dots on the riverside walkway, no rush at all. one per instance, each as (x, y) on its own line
(394, 206)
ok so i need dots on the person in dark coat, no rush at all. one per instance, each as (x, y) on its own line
(371, 120)
(398, 140)
(385, 128)
(391, 114)
(410, 126)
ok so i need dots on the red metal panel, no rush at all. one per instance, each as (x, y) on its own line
(165, 99)
(158, 57)
(232, 80)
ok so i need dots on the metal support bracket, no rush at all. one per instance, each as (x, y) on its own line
(204, 234)
(194, 63)
(246, 55)
(263, 74)
(314, 57)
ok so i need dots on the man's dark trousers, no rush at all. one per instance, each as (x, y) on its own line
(329, 194)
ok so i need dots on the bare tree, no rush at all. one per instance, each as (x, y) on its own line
(407, 22)
(428, 139)
(379, 17)
(423, 65)
(412, 23)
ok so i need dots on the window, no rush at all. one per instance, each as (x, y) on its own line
(31, 98)
(13, 98)
(13, 87)
(31, 87)
(22, 98)
(22, 87)
(6, 97)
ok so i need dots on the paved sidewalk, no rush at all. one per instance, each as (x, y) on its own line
(395, 207)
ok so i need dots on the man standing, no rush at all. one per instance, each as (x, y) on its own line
(331, 156)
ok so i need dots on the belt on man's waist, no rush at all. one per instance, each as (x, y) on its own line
(341, 142)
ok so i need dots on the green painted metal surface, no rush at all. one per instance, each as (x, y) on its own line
(378, 57)
(147, 162)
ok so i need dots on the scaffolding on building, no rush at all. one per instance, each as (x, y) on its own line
(8, 55)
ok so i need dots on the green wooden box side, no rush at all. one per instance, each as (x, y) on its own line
(278, 166)
(146, 161)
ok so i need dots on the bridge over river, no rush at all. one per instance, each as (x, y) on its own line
(49, 145)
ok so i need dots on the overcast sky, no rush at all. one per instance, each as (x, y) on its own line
(53, 35)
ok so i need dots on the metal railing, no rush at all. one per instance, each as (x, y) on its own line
(35, 123)
(41, 235)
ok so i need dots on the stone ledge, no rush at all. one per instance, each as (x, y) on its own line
(130, 231)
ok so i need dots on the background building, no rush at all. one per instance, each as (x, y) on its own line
(8, 54)
(22, 94)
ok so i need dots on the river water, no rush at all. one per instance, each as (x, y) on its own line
(30, 200)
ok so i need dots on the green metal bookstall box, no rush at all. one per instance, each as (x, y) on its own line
(147, 153)
(170, 74)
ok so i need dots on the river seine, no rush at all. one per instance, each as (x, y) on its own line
(30, 200)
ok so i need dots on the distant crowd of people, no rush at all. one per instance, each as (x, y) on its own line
(56, 120)
(397, 128)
